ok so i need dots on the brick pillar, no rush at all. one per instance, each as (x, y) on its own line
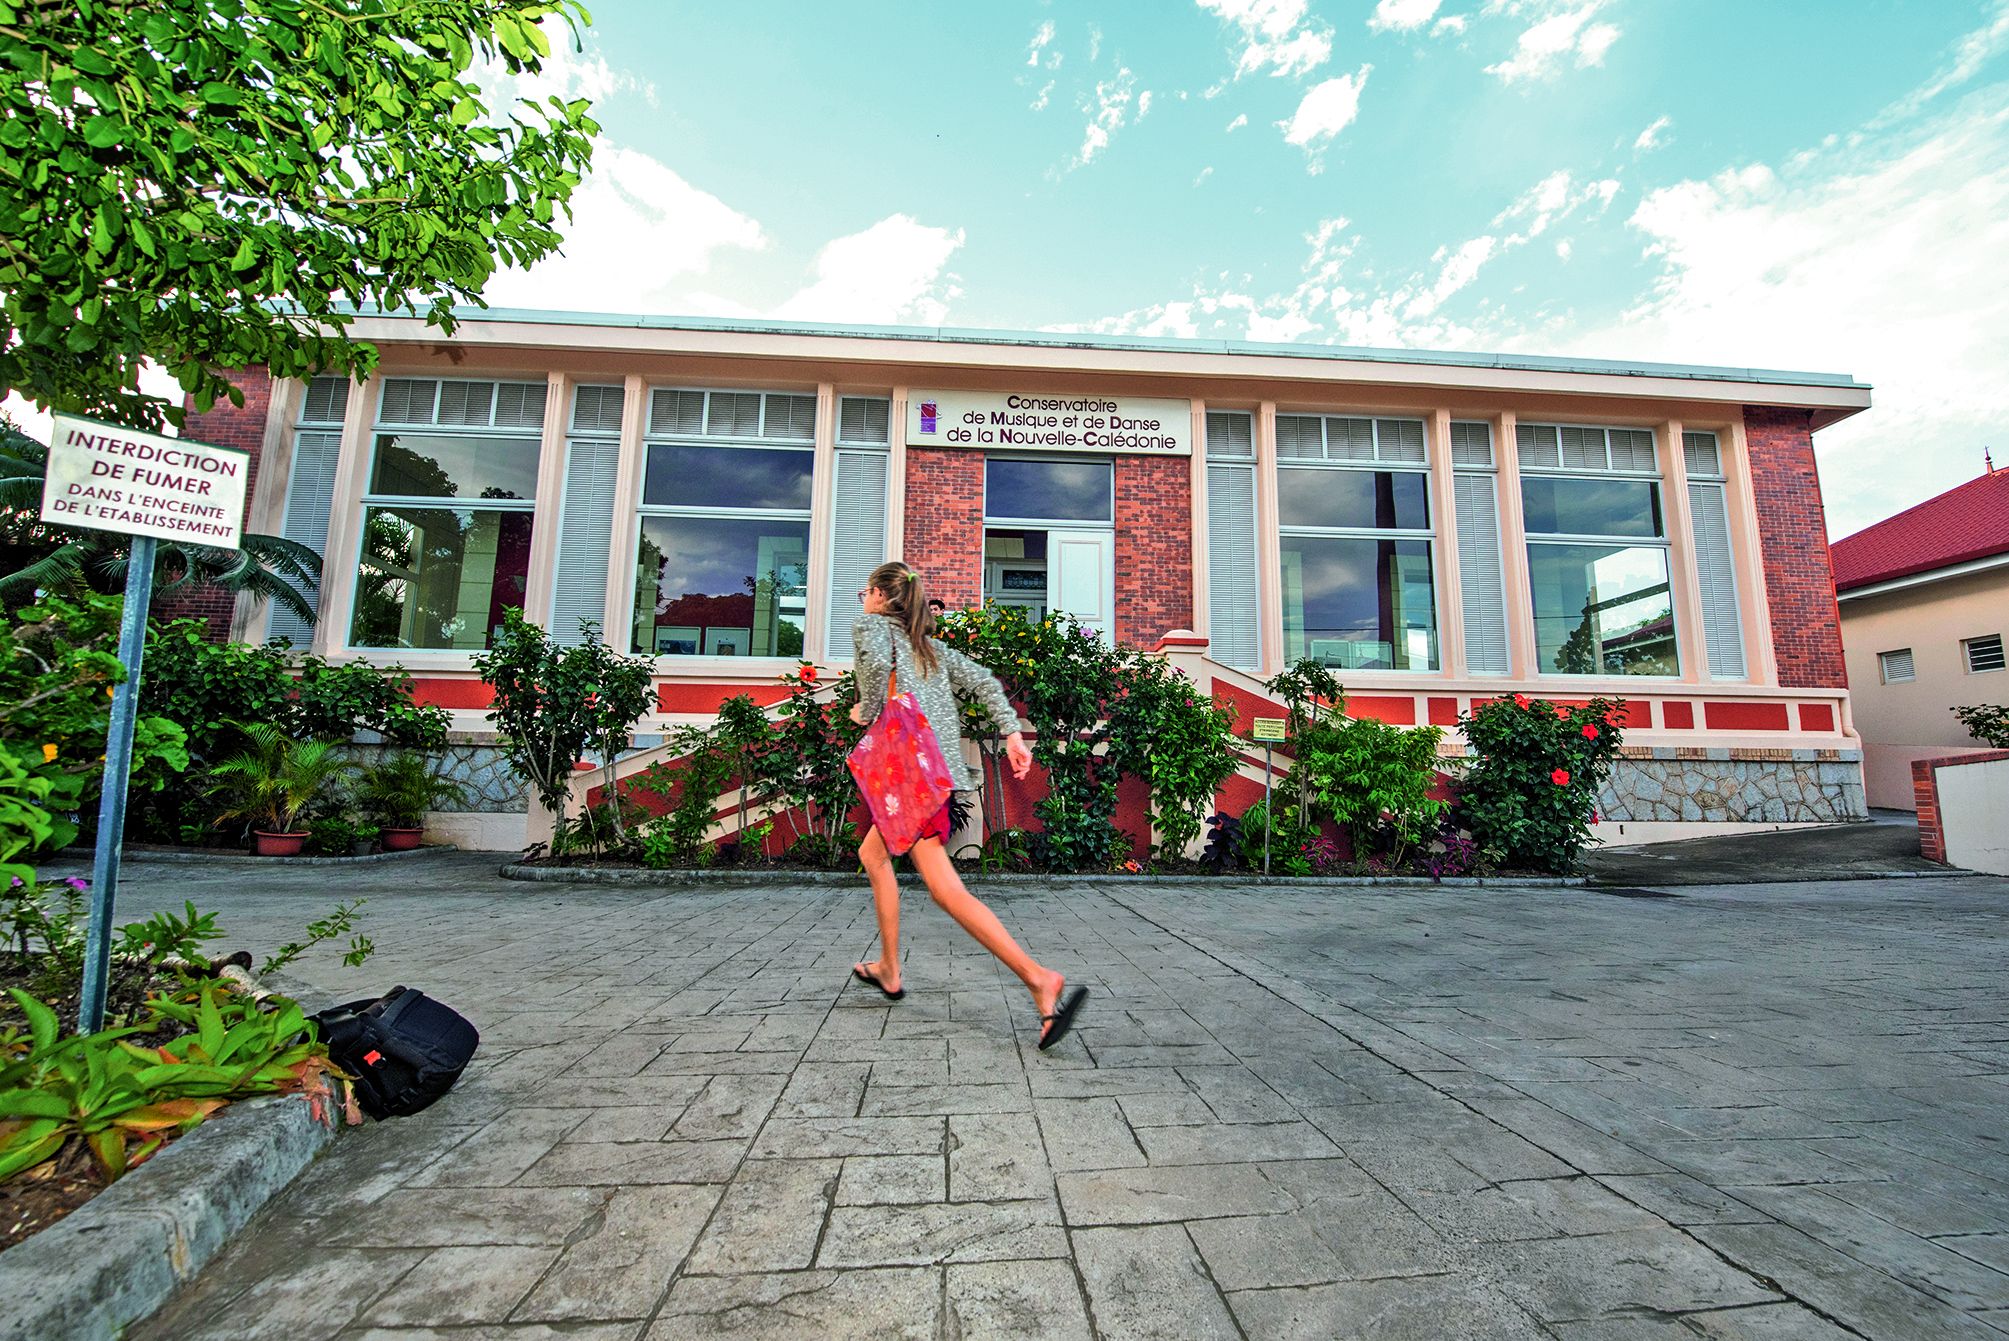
(944, 536)
(1925, 792)
(225, 425)
(1792, 529)
(1154, 547)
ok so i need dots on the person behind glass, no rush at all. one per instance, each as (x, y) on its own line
(895, 638)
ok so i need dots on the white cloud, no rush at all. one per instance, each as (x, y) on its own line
(1449, 26)
(1402, 16)
(1327, 109)
(1547, 44)
(891, 272)
(637, 229)
(1276, 35)
(1205, 173)
(1108, 110)
(38, 424)
(1094, 43)
(1886, 264)
(1974, 50)
(1238, 123)
(1650, 138)
(568, 72)
(1039, 42)
(1143, 104)
(1564, 248)
(1044, 96)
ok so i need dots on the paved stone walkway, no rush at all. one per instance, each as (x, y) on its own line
(1766, 1112)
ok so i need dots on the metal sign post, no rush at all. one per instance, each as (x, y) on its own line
(1268, 730)
(102, 477)
(118, 772)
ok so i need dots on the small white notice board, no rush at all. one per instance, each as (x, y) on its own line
(104, 478)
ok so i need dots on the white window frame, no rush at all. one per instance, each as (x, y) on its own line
(1376, 465)
(381, 428)
(1530, 538)
(670, 662)
(1883, 665)
(1967, 654)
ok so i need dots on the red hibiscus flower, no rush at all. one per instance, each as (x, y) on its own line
(1520, 700)
(1590, 732)
(1596, 818)
(809, 675)
(1561, 777)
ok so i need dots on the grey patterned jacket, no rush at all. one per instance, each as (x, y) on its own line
(882, 649)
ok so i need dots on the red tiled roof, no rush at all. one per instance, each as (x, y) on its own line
(1964, 523)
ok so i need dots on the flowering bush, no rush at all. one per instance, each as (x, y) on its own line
(1530, 794)
(1098, 713)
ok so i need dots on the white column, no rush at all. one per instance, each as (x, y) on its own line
(822, 506)
(1269, 544)
(1521, 657)
(1198, 618)
(896, 476)
(345, 520)
(539, 583)
(626, 535)
(1761, 661)
(1444, 559)
(1682, 569)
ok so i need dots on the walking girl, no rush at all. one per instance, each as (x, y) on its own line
(895, 640)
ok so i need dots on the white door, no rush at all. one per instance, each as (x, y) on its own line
(1081, 578)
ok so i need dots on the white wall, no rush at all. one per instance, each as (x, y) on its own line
(1974, 815)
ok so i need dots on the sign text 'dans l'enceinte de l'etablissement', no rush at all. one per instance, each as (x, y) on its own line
(1014, 421)
(106, 478)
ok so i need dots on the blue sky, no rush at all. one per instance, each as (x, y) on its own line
(1817, 184)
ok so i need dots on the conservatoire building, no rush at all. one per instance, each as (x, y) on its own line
(1439, 528)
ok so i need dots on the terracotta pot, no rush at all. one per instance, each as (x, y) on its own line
(400, 840)
(276, 844)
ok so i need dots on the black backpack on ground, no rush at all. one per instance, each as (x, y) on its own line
(404, 1049)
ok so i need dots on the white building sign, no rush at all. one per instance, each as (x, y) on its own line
(1016, 421)
(104, 478)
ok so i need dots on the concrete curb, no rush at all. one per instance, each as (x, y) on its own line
(780, 875)
(114, 1261)
(198, 857)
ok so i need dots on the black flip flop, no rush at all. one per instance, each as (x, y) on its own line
(1062, 1018)
(862, 976)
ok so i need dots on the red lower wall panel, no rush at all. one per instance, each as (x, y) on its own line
(1746, 717)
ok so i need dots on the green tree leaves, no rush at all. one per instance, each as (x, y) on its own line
(214, 184)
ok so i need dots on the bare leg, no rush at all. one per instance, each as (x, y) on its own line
(970, 912)
(886, 903)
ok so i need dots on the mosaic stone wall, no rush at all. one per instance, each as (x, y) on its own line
(479, 766)
(1803, 786)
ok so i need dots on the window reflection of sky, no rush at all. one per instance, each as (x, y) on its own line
(1343, 589)
(728, 477)
(714, 556)
(1590, 507)
(1354, 499)
(422, 465)
(1047, 490)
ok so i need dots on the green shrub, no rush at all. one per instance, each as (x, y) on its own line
(1374, 780)
(1530, 793)
(1987, 723)
(554, 705)
(1289, 839)
(398, 790)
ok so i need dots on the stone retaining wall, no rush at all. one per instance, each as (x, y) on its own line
(1809, 786)
(478, 765)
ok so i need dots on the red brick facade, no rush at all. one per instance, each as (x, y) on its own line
(944, 537)
(1154, 547)
(226, 425)
(1792, 527)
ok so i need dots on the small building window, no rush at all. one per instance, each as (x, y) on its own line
(1896, 666)
(1984, 654)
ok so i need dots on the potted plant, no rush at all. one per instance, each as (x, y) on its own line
(342, 835)
(272, 781)
(399, 791)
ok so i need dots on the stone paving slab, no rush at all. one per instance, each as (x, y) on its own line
(1762, 1111)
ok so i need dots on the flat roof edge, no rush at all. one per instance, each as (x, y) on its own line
(1143, 344)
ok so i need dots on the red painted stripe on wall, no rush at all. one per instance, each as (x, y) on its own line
(1395, 711)
(1678, 716)
(1746, 716)
(451, 693)
(1443, 712)
(1817, 717)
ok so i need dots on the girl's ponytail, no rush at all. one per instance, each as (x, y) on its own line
(906, 597)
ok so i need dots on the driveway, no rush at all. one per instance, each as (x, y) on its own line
(1761, 1111)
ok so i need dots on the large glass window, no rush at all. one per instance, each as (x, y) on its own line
(448, 517)
(1353, 503)
(722, 559)
(1055, 491)
(1597, 553)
